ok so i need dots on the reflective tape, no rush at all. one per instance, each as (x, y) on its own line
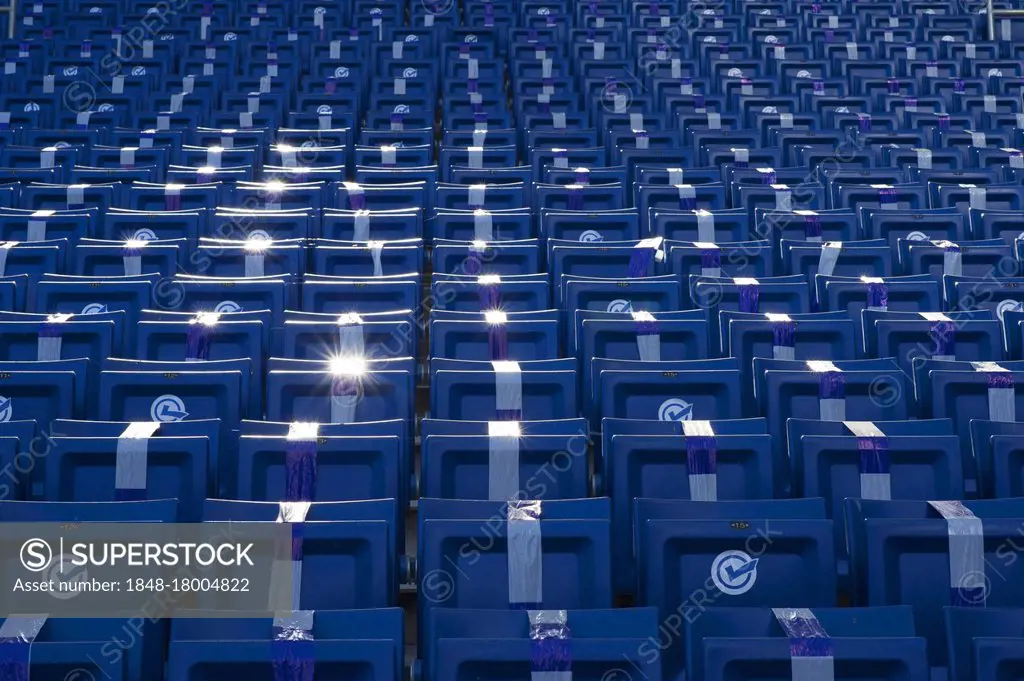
(375, 248)
(388, 156)
(783, 336)
(979, 196)
(978, 139)
(705, 225)
(767, 175)
(48, 344)
(924, 159)
(255, 264)
(561, 159)
(76, 196)
(810, 646)
(648, 338)
(482, 225)
(476, 157)
(351, 335)
(675, 175)
(714, 121)
(525, 557)
(831, 390)
(503, 460)
(952, 258)
(5, 249)
(361, 225)
(687, 197)
(127, 157)
(1002, 401)
(130, 472)
(851, 51)
(46, 157)
(550, 646)
(989, 104)
(131, 257)
(508, 390)
(828, 257)
(783, 197)
(701, 460)
(966, 554)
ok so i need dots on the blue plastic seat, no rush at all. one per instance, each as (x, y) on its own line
(784, 554)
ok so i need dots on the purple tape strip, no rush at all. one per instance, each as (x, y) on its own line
(701, 454)
(768, 178)
(750, 295)
(1001, 380)
(197, 342)
(300, 470)
(864, 123)
(550, 647)
(497, 341)
(293, 650)
(121, 494)
(640, 262)
(878, 295)
(575, 197)
(783, 334)
(688, 203)
(943, 335)
(172, 202)
(711, 258)
(874, 455)
(490, 296)
(812, 226)
(832, 386)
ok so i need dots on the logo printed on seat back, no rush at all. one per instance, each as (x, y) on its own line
(144, 234)
(167, 409)
(6, 409)
(619, 305)
(94, 308)
(227, 306)
(917, 236)
(734, 572)
(1007, 306)
(675, 409)
(590, 236)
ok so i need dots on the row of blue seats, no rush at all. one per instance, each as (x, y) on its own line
(368, 644)
(758, 554)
